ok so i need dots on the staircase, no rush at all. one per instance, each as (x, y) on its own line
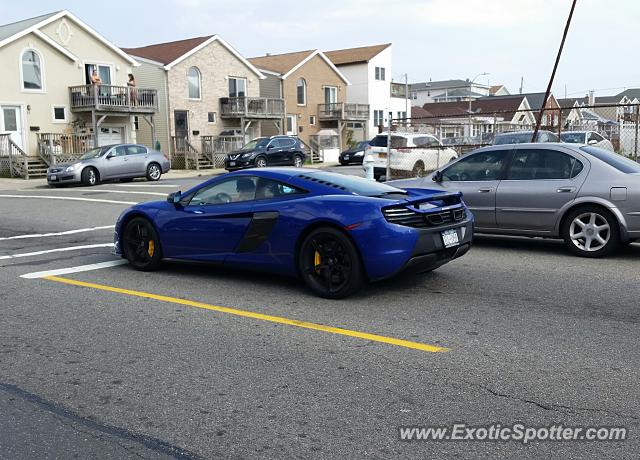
(205, 163)
(36, 168)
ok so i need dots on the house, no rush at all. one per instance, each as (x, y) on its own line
(551, 115)
(210, 99)
(49, 110)
(498, 90)
(369, 69)
(488, 115)
(315, 94)
(446, 91)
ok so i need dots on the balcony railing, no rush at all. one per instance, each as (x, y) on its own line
(251, 107)
(107, 98)
(343, 111)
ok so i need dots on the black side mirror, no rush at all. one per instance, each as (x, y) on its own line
(174, 198)
(271, 147)
(437, 177)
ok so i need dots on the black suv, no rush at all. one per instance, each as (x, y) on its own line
(267, 151)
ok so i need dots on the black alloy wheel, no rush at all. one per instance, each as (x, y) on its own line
(141, 245)
(330, 264)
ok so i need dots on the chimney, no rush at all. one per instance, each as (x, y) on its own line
(591, 97)
(268, 54)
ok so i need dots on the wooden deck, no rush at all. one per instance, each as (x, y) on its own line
(343, 111)
(113, 99)
(251, 107)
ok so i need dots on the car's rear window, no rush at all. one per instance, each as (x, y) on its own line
(397, 142)
(354, 184)
(613, 159)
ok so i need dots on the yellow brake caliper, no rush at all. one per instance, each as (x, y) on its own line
(151, 248)
(316, 261)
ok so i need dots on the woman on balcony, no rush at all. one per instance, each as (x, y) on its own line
(133, 93)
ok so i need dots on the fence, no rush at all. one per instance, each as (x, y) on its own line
(420, 145)
(216, 148)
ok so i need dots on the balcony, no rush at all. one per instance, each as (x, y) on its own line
(113, 99)
(343, 111)
(251, 107)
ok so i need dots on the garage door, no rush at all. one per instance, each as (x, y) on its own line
(108, 136)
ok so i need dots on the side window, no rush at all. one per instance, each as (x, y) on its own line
(267, 189)
(598, 137)
(538, 164)
(275, 144)
(135, 149)
(120, 151)
(398, 142)
(233, 190)
(287, 143)
(482, 166)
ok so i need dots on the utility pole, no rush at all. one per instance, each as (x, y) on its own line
(471, 83)
(553, 73)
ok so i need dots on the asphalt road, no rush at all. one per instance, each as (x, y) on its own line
(101, 370)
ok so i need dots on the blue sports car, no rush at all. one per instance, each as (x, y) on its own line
(336, 232)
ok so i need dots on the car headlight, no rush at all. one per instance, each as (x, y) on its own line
(358, 154)
(71, 168)
(246, 156)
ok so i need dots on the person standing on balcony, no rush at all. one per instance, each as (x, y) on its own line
(96, 81)
(133, 93)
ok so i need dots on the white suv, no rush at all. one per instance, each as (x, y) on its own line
(412, 155)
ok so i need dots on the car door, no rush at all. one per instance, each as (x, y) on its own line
(537, 184)
(477, 176)
(288, 147)
(115, 163)
(137, 156)
(275, 154)
(210, 223)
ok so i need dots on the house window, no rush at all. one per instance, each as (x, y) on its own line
(414, 95)
(378, 117)
(32, 71)
(402, 115)
(237, 87)
(193, 79)
(380, 73)
(59, 113)
(301, 88)
(136, 123)
(312, 120)
(211, 116)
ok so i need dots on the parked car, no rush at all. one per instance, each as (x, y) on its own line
(267, 151)
(354, 155)
(523, 137)
(411, 154)
(588, 138)
(119, 161)
(586, 195)
(334, 231)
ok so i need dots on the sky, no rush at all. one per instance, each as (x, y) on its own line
(432, 39)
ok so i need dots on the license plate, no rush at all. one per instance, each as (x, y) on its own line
(346, 157)
(232, 163)
(53, 177)
(382, 155)
(450, 238)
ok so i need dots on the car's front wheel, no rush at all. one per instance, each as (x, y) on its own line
(90, 176)
(154, 172)
(141, 244)
(329, 263)
(298, 161)
(261, 162)
(591, 231)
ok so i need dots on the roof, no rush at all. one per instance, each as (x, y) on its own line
(460, 92)
(280, 63)
(9, 30)
(608, 99)
(166, 53)
(508, 106)
(285, 64)
(631, 93)
(356, 55)
(535, 99)
(495, 88)
(419, 112)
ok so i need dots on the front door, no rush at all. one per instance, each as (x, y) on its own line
(539, 182)
(11, 122)
(477, 176)
(181, 128)
(292, 122)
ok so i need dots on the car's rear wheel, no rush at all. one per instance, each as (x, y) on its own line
(329, 263)
(298, 161)
(418, 169)
(90, 176)
(141, 244)
(261, 162)
(591, 231)
(154, 172)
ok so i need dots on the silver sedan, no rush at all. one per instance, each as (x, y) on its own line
(587, 196)
(120, 161)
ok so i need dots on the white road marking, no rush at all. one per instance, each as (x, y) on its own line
(145, 185)
(100, 190)
(70, 198)
(48, 251)
(66, 232)
(78, 269)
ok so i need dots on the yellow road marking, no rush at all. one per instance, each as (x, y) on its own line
(254, 315)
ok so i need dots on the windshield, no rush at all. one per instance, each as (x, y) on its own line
(256, 143)
(95, 153)
(613, 159)
(572, 138)
(354, 184)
